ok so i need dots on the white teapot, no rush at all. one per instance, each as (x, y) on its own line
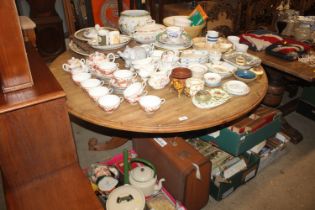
(144, 177)
(133, 53)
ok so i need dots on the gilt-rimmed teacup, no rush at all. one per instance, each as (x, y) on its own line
(80, 77)
(151, 103)
(110, 102)
(134, 91)
(105, 68)
(91, 83)
(99, 91)
(123, 78)
(174, 32)
(73, 64)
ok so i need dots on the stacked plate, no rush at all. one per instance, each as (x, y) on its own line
(164, 42)
(235, 87)
(194, 56)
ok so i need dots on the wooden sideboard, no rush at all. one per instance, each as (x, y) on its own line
(38, 157)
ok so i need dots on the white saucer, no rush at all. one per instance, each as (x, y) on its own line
(236, 87)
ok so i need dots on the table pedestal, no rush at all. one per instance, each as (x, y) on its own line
(113, 143)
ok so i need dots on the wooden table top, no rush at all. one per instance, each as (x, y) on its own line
(166, 119)
(295, 68)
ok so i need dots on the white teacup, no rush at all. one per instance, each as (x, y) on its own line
(241, 48)
(109, 102)
(73, 64)
(80, 77)
(193, 85)
(234, 39)
(215, 56)
(159, 79)
(145, 71)
(99, 91)
(141, 62)
(135, 89)
(105, 68)
(91, 83)
(124, 77)
(151, 103)
(174, 32)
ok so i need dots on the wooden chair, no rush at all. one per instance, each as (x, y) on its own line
(261, 14)
(157, 8)
(223, 15)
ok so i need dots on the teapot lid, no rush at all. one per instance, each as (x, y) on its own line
(142, 173)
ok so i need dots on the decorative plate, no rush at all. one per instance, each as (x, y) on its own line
(236, 87)
(76, 49)
(82, 34)
(242, 60)
(218, 97)
(222, 68)
(184, 40)
(124, 40)
(171, 47)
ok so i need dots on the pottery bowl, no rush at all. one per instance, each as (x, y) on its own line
(198, 70)
(212, 79)
(245, 75)
(192, 31)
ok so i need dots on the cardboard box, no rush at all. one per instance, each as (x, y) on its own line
(221, 188)
(237, 144)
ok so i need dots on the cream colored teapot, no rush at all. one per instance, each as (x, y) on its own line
(144, 177)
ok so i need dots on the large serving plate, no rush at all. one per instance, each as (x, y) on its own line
(76, 49)
(83, 34)
(224, 69)
(249, 60)
(218, 97)
(235, 87)
(124, 40)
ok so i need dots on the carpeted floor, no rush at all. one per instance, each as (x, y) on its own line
(289, 183)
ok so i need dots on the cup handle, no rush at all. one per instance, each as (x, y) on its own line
(135, 75)
(163, 100)
(150, 21)
(82, 60)
(111, 57)
(121, 99)
(144, 93)
(110, 90)
(102, 83)
(66, 67)
(144, 84)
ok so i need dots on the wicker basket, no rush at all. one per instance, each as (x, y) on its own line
(192, 31)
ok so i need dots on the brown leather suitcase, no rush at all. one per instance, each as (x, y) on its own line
(187, 172)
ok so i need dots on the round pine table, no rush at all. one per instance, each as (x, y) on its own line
(167, 119)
